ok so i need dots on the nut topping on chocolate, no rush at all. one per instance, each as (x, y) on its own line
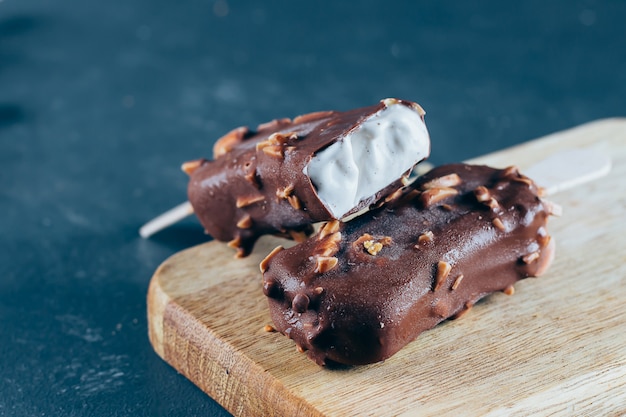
(446, 181)
(530, 258)
(288, 175)
(330, 245)
(229, 141)
(435, 195)
(498, 224)
(328, 229)
(265, 261)
(284, 193)
(373, 304)
(457, 282)
(510, 290)
(443, 270)
(245, 222)
(482, 194)
(325, 264)
(245, 201)
(189, 167)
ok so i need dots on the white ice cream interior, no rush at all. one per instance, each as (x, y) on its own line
(372, 156)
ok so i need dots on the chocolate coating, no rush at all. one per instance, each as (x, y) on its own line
(256, 184)
(373, 284)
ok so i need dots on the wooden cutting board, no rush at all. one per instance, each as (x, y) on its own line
(557, 346)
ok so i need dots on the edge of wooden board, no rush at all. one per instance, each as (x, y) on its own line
(229, 376)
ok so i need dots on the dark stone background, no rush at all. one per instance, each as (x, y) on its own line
(101, 101)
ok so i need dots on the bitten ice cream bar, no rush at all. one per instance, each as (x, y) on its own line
(288, 174)
(358, 291)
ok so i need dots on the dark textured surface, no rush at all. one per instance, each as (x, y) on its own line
(100, 102)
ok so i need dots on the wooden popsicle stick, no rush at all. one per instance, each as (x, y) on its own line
(162, 221)
(569, 168)
(559, 172)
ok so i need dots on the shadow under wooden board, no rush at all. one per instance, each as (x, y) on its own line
(557, 346)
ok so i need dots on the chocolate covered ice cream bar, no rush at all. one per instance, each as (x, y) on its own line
(288, 174)
(357, 292)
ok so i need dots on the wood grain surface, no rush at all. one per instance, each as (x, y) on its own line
(555, 347)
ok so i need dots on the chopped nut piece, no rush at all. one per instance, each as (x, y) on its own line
(269, 328)
(443, 270)
(227, 142)
(390, 101)
(312, 116)
(510, 171)
(235, 243)
(190, 166)
(373, 247)
(276, 140)
(435, 195)
(285, 192)
(492, 203)
(393, 195)
(325, 264)
(266, 260)
(271, 141)
(282, 138)
(371, 244)
(276, 151)
(543, 240)
(425, 237)
(273, 124)
(523, 179)
(328, 228)
(318, 290)
(498, 224)
(245, 222)
(446, 181)
(330, 246)
(482, 194)
(510, 290)
(457, 282)
(530, 258)
(295, 202)
(248, 200)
